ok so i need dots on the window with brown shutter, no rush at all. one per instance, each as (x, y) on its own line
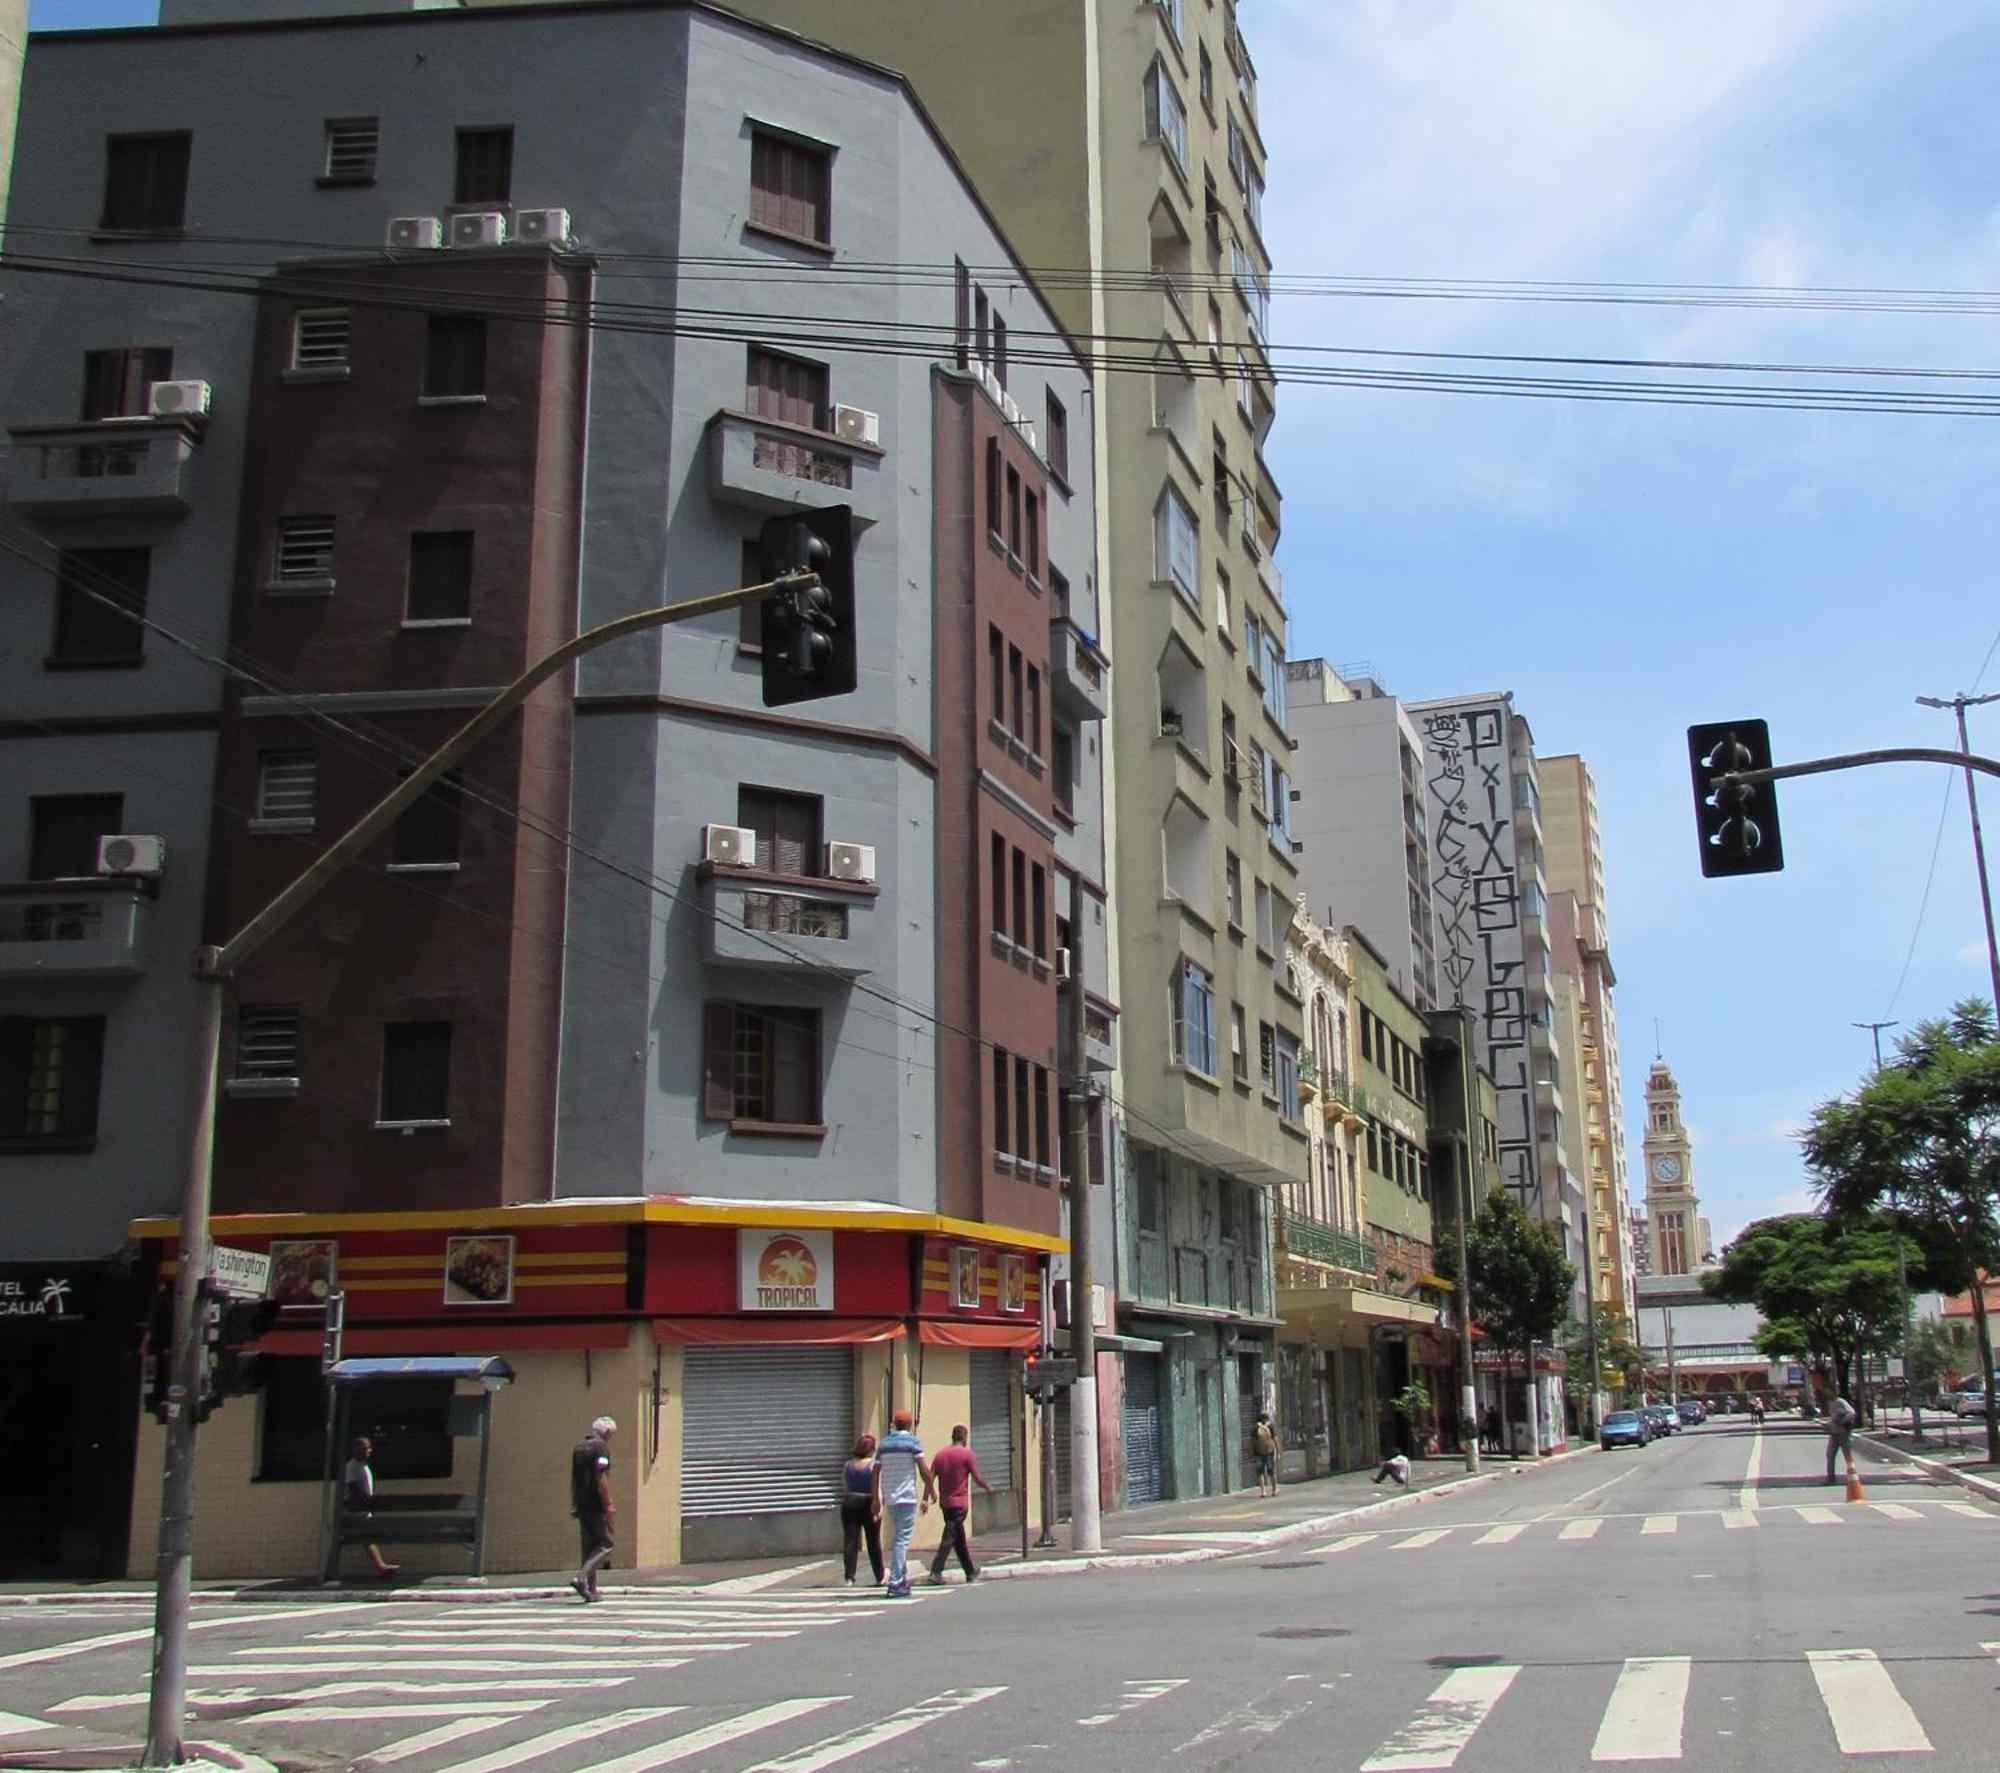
(117, 384)
(761, 1063)
(100, 603)
(145, 182)
(51, 1069)
(787, 827)
(788, 389)
(1001, 1070)
(440, 582)
(63, 830)
(1055, 439)
(790, 187)
(416, 1073)
(455, 357)
(485, 172)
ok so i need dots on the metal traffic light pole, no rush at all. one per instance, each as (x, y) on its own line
(1958, 704)
(167, 1706)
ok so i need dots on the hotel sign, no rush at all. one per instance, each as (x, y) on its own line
(784, 1270)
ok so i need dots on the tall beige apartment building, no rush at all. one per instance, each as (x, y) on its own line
(1574, 864)
(13, 46)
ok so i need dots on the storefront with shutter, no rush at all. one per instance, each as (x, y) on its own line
(996, 1409)
(1142, 1437)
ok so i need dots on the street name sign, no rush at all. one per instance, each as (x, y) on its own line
(243, 1274)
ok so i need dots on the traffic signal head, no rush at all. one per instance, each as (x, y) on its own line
(807, 631)
(1737, 822)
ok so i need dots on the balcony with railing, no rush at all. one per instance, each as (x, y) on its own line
(772, 465)
(785, 923)
(101, 468)
(75, 928)
(1079, 673)
(1306, 1239)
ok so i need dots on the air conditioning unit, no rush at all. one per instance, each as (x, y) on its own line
(991, 383)
(479, 227)
(850, 861)
(415, 233)
(179, 400)
(1010, 408)
(132, 858)
(541, 227)
(858, 425)
(734, 845)
(1026, 427)
(1062, 963)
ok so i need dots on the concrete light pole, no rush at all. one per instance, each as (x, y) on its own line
(174, 1578)
(1902, 1267)
(1958, 705)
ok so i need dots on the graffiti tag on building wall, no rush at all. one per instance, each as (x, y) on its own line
(1478, 908)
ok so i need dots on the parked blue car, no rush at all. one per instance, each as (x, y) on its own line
(1622, 1428)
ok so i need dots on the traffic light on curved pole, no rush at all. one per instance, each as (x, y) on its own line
(807, 630)
(1737, 821)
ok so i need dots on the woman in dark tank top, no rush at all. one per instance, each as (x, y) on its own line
(859, 1521)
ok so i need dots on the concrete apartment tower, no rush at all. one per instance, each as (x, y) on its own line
(1575, 865)
(1120, 143)
(13, 45)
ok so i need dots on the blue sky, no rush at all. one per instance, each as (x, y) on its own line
(1626, 570)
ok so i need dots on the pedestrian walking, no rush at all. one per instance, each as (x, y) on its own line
(357, 1496)
(900, 1466)
(1840, 1419)
(860, 1513)
(1489, 1429)
(590, 1502)
(1396, 1466)
(956, 1470)
(1266, 1443)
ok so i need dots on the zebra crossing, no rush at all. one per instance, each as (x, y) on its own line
(1863, 1516)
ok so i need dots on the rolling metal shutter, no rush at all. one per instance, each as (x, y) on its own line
(1063, 1444)
(1142, 1429)
(765, 1429)
(993, 1415)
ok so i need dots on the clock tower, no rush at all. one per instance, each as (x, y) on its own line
(1677, 1233)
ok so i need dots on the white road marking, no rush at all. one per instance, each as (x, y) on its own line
(1594, 1490)
(1587, 1529)
(111, 1640)
(717, 1735)
(362, 1714)
(1502, 1535)
(1746, 1495)
(1868, 1715)
(14, 1723)
(342, 1690)
(403, 1748)
(1436, 1735)
(1896, 1511)
(1202, 1536)
(1738, 1518)
(769, 1579)
(1417, 1541)
(1660, 1523)
(1977, 1513)
(832, 1750)
(370, 1655)
(1346, 1543)
(356, 1665)
(515, 1753)
(1648, 1705)
(1817, 1515)
(1137, 1693)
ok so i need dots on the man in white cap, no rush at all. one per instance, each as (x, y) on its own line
(590, 1502)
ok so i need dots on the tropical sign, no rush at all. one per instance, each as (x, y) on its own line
(784, 1270)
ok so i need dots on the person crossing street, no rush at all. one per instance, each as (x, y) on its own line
(956, 1471)
(899, 1466)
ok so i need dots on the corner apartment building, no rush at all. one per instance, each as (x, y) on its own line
(1121, 144)
(1575, 863)
(699, 1058)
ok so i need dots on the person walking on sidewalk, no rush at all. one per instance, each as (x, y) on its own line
(1266, 1444)
(899, 1466)
(860, 1513)
(956, 1471)
(1840, 1420)
(590, 1502)
(357, 1496)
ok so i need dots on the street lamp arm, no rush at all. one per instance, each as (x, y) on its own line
(221, 962)
(1817, 766)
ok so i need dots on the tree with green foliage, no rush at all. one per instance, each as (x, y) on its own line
(1941, 1349)
(1616, 1351)
(1827, 1291)
(1923, 1134)
(1520, 1282)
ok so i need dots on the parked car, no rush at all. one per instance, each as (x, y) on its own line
(1623, 1428)
(1664, 1418)
(1970, 1397)
(1692, 1410)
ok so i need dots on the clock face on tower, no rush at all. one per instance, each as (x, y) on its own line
(1666, 1169)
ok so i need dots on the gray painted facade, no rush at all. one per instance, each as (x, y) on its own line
(638, 121)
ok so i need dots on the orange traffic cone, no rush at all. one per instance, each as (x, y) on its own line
(1854, 1490)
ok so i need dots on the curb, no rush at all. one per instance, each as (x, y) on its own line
(1979, 1486)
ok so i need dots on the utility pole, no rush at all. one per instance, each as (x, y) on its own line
(1084, 1525)
(174, 1578)
(1958, 705)
(1902, 1267)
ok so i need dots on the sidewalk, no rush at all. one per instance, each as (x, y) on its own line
(1952, 1448)
(1192, 1531)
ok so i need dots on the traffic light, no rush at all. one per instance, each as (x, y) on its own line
(807, 631)
(1738, 824)
(231, 1328)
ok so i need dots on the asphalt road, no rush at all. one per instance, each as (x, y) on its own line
(1706, 1601)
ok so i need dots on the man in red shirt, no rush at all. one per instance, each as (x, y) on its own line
(956, 1471)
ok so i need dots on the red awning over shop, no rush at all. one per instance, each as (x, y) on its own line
(776, 1329)
(971, 1335)
(492, 1336)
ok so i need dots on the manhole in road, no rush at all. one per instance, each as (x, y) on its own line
(1292, 1564)
(1461, 1661)
(1307, 1631)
